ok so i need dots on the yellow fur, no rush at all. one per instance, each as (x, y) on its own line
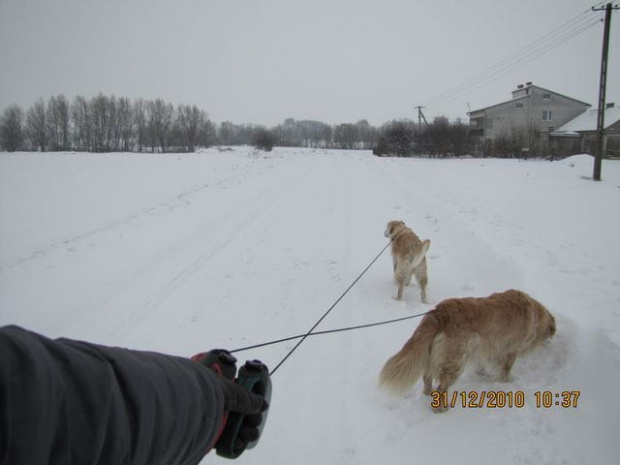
(408, 256)
(495, 329)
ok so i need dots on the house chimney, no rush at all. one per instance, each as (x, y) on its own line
(520, 86)
(529, 83)
(610, 105)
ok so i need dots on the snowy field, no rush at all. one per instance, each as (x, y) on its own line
(183, 253)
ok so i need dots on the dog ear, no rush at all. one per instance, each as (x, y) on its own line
(391, 226)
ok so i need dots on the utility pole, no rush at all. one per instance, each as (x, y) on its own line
(419, 108)
(600, 120)
(420, 118)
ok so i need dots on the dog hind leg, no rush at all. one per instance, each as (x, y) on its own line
(449, 370)
(428, 380)
(505, 366)
(400, 277)
(422, 279)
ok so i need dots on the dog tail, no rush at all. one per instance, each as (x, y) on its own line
(402, 370)
(421, 254)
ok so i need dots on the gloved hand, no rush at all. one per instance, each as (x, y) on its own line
(237, 398)
(241, 400)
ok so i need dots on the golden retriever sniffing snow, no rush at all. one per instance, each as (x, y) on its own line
(488, 330)
(408, 256)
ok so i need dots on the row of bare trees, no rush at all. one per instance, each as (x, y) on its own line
(303, 133)
(439, 138)
(109, 124)
(105, 124)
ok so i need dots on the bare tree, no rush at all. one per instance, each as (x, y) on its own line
(100, 123)
(525, 139)
(82, 124)
(314, 133)
(439, 132)
(397, 139)
(190, 120)
(11, 128)
(58, 123)
(345, 136)
(288, 133)
(159, 115)
(36, 126)
(227, 133)
(264, 139)
(305, 133)
(367, 134)
(140, 123)
(125, 123)
(208, 134)
(113, 130)
(115, 124)
(459, 138)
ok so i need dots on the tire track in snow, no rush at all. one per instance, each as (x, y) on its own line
(196, 253)
(181, 200)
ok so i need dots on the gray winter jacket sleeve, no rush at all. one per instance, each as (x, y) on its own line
(69, 402)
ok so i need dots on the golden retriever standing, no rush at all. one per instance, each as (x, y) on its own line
(408, 256)
(495, 329)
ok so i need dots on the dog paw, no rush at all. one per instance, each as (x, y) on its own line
(440, 409)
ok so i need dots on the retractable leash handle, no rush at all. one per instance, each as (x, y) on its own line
(219, 360)
(254, 376)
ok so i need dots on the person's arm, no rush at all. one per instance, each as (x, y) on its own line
(65, 401)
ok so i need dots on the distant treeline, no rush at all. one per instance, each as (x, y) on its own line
(111, 124)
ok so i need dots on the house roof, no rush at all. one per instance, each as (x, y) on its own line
(523, 97)
(562, 95)
(587, 121)
(528, 96)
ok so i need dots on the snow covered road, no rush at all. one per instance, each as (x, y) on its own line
(183, 253)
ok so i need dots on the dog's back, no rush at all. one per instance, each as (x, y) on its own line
(497, 328)
(404, 242)
(408, 256)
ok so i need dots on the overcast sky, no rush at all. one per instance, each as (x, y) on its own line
(336, 61)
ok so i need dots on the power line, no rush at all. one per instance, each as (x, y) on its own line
(523, 60)
(544, 44)
(575, 22)
(501, 63)
(525, 55)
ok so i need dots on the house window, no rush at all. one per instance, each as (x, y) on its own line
(546, 115)
(546, 96)
(519, 105)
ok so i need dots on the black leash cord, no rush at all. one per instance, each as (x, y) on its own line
(329, 331)
(303, 338)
